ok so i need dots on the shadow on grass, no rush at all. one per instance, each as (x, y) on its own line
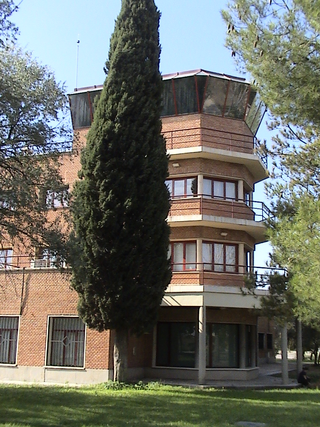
(174, 406)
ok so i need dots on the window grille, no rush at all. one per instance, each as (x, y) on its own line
(8, 339)
(66, 342)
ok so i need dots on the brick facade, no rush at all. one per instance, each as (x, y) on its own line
(200, 146)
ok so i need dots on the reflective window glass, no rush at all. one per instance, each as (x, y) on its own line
(218, 189)
(236, 100)
(230, 190)
(176, 344)
(215, 96)
(186, 95)
(168, 99)
(80, 110)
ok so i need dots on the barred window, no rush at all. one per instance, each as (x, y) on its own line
(66, 339)
(8, 339)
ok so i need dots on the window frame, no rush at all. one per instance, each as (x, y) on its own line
(57, 199)
(171, 187)
(184, 263)
(13, 342)
(224, 264)
(6, 265)
(224, 182)
(50, 342)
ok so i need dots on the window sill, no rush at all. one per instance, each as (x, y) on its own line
(8, 365)
(69, 368)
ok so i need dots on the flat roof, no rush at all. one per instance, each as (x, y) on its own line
(177, 75)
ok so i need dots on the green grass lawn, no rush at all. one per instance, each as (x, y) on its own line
(155, 405)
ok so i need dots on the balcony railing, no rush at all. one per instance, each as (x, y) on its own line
(203, 205)
(25, 261)
(213, 138)
(200, 274)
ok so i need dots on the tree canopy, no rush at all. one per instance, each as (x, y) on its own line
(120, 264)
(277, 43)
(33, 131)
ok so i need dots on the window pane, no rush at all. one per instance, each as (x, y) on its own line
(183, 345)
(178, 257)
(218, 257)
(231, 190)
(224, 346)
(186, 95)
(66, 343)
(207, 187)
(176, 344)
(215, 96)
(218, 189)
(236, 101)
(192, 189)
(80, 110)
(167, 99)
(207, 256)
(178, 188)
(6, 258)
(8, 339)
(169, 186)
(230, 258)
(191, 256)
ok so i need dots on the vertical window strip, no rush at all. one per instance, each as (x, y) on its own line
(8, 339)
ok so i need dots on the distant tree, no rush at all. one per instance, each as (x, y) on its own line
(277, 43)
(120, 262)
(8, 30)
(33, 132)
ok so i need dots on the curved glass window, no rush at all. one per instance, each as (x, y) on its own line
(215, 96)
(168, 108)
(236, 100)
(186, 95)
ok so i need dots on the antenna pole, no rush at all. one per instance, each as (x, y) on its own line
(77, 64)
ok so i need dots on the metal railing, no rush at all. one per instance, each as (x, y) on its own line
(214, 138)
(230, 208)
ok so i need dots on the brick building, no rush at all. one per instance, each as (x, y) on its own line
(206, 328)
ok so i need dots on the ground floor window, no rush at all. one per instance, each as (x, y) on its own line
(66, 337)
(222, 345)
(8, 339)
(176, 344)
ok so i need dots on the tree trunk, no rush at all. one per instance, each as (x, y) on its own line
(299, 346)
(284, 351)
(120, 355)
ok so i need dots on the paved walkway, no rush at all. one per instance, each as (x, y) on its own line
(266, 380)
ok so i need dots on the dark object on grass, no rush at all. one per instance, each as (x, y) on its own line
(303, 378)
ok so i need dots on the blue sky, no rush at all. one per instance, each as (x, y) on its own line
(192, 35)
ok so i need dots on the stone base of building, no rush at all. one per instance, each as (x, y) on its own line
(218, 374)
(33, 374)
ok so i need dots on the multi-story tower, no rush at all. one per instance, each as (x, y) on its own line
(206, 328)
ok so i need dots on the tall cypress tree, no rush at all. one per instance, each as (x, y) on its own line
(120, 263)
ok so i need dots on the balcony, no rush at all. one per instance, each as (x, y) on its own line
(215, 141)
(21, 261)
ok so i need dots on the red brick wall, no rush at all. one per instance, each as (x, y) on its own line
(45, 292)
